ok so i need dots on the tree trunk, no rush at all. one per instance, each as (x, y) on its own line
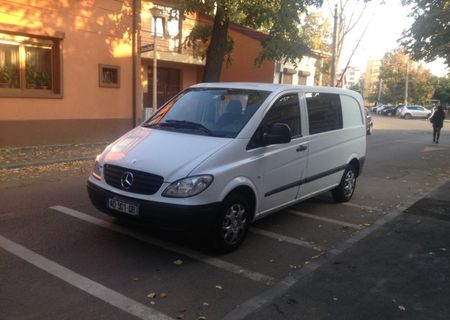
(217, 48)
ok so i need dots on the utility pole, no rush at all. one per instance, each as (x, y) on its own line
(406, 83)
(333, 59)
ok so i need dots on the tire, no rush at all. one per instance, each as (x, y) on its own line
(232, 223)
(408, 116)
(344, 191)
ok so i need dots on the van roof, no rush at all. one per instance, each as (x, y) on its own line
(273, 87)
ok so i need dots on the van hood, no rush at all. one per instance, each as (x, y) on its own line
(169, 154)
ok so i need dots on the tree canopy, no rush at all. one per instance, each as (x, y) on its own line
(393, 75)
(429, 36)
(279, 18)
(442, 92)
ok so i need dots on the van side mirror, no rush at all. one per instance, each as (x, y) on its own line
(278, 133)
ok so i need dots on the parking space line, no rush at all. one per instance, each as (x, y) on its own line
(89, 286)
(360, 206)
(220, 264)
(284, 238)
(325, 219)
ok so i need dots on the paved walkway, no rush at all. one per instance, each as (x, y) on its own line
(18, 157)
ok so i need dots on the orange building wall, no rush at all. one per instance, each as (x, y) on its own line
(243, 67)
(96, 32)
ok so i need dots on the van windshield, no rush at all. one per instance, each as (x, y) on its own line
(215, 112)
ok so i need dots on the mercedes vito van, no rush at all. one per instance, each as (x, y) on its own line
(218, 156)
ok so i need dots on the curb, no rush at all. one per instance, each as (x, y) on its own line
(42, 163)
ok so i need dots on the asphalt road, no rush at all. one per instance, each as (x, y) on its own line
(62, 259)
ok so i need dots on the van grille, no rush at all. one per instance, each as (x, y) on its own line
(143, 182)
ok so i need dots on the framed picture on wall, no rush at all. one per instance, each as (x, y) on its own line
(108, 76)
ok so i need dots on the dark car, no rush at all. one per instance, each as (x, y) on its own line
(369, 123)
(390, 111)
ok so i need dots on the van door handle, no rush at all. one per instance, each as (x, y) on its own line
(302, 148)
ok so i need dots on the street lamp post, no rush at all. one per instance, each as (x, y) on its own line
(156, 12)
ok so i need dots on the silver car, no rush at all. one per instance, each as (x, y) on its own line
(414, 111)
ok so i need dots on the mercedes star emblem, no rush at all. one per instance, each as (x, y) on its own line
(127, 180)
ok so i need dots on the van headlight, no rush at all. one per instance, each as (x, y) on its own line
(96, 171)
(188, 187)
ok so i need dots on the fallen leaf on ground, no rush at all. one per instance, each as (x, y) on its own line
(151, 295)
(218, 287)
(163, 295)
(402, 308)
(178, 262)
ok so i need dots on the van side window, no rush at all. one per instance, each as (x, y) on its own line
(285, 110)
(351, 111)
(324, 112)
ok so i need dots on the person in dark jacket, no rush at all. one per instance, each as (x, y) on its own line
(437, 119)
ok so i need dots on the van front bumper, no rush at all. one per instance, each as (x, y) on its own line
(157, 214)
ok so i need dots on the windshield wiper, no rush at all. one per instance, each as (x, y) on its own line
(150, 125)
(188, 125)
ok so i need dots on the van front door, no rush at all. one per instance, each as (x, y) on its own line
(282, 165)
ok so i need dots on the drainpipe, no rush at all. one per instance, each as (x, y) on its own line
(136, 63)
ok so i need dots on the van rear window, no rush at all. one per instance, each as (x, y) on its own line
(324, 112)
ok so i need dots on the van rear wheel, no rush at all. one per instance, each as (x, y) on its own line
(344, 191)
(232, 223)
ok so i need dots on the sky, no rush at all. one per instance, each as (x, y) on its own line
(387, 23)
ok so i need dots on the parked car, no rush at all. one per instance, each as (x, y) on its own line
(381, 109)
(375, 108)
(414, 111)
(218, 156)
(390, 111)
(369, 123)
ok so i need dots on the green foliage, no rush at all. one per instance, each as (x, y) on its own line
(393, 75)
(421, 85)
(442, 92)
(279, 18)
(429, 36)
(199, 39)
(9, 74)
(316, 30)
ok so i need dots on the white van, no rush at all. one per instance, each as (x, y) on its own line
(221, 155)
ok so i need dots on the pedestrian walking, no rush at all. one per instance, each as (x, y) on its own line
(437, 119)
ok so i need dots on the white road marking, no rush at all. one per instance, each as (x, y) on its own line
(93, 288)
(284, 238)
(221, 264)
(325, 219)
(360, 206)
(430, 149)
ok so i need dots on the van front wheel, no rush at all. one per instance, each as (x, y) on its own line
(344, 191)
(233, 222)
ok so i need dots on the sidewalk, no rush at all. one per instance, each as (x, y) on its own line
(18, 157)
(401, 270)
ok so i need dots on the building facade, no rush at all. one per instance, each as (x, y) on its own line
(371, 79)
(65, 71)
(82, 71)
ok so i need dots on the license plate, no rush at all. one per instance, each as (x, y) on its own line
(123, 206)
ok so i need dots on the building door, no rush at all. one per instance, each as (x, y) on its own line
(168, 85)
